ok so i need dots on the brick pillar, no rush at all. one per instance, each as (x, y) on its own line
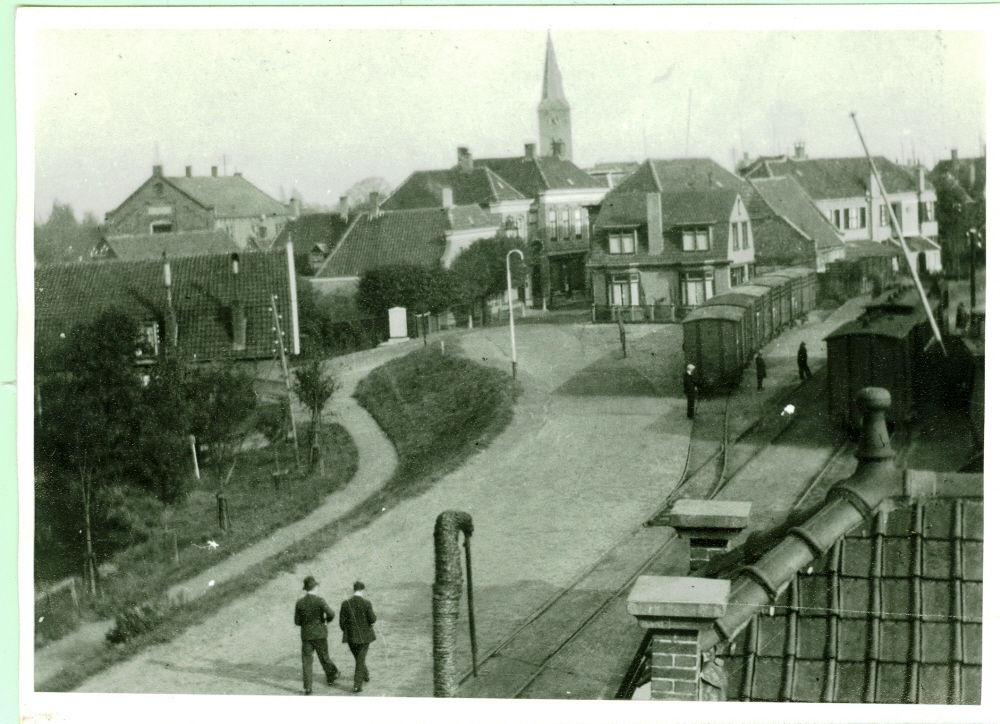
(710, 525)
(679, 612)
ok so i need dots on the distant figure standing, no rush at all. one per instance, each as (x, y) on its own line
(803, 358)
(312, 614)
(690, 389)
(961, 316)
(356, 619)
(761, 371)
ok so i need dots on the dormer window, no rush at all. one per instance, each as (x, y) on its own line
(695, 239)
(621, 242)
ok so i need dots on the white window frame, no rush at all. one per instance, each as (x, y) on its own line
(853, 218)
(564, 224)
(622, 242)
(695, 282)
(623, 290)
(692, 238)
(578, 223)
(551, 216)
(883, 215)
(734, 232)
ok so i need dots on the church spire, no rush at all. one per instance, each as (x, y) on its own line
(553, 110)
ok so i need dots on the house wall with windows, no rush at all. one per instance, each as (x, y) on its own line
(158, 207)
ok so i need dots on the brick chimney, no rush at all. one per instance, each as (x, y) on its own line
(464, 159)
(954, 156)
(296, 207)
(800, 150)
(215, 170)
(239, 317)
(343, 208)
(654, 222)
(679, 613)
(157, 170)
(529, 151)
(374, 204)
(447, 199)
(187, 171)
(709, 525)
(170, 321)
(921, 179)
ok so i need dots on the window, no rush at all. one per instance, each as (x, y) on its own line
(846, 218)
(577, 223)
(695, 239)
(853, 221)
(621, 242)
(836, 218)
(863, 216)
(735, 233)
(519, 223)
(883, 215)
(698, 287)
(161, 227)
(926, 210)
(737, 275)
(564, 224)
(151, 336)
(897, 210)
(745, 225)
(262, 232)
(623, 291)
(552, 224)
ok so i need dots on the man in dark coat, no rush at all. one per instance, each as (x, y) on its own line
(312, 614)
(356, 619)
(761, 371)
(690, 389)
(804, 371)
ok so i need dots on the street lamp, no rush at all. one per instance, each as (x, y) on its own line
(510, 308)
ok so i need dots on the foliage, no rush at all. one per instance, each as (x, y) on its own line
(225, 403)
(314, 387)
(359, 195)
(329, 324)
(480, 272)
(418, 289)
(136, 621)
(61, 238)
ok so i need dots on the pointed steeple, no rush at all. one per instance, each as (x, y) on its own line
(555, 134)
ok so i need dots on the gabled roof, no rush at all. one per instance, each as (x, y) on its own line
(422, 190)
(698, 207)
(312, 230)
(133, 247)
(622, 209)
(786, 198)
(837, 178)
(537, 174)
(677, 175)
(203, 289)
(230, 196)
(400, 237)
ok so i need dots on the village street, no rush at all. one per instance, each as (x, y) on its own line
(592, 452)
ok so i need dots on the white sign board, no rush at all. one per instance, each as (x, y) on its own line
(397, 323)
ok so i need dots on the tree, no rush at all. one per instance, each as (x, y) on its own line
(314, 388)
(61, 238)
(224, 411)
(359, 195)
(418, 289)
(480, 272)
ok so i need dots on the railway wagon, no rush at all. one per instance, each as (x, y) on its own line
(781, 300)
(884, 347)
(715, 343)
(802, 289)
(757, 300)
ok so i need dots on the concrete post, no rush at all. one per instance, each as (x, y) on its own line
(679, 612)
(710, 525)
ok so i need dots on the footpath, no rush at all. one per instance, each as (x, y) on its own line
(376, 462)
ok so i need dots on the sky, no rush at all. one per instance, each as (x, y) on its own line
(317, 110)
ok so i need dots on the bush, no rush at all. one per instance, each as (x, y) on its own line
(136, 621)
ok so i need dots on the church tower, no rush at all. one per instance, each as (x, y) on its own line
(553, 111)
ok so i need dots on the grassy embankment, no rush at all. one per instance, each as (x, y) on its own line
(437, 410)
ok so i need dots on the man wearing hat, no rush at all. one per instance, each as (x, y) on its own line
(690, 389)
(312, 614)
(356, 619)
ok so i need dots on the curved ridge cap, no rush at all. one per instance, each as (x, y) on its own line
(871, 483)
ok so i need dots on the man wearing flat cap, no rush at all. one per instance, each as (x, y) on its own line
(312, 614)
(356, 619)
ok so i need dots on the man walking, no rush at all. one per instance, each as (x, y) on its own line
(690, 389)
(312, 614)
(356, 619)
(804, 372)
(761, 371)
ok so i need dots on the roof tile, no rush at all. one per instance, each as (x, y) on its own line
(230, 196)
(133, 247)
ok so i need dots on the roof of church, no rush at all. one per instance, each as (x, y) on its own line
(534, 175)
(422, 190)
(552, 85)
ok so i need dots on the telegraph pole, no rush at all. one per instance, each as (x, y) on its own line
(288, 380)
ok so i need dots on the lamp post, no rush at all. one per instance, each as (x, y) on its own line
(510, 309)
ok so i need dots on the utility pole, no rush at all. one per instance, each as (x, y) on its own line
(972, 234)
(288, 380)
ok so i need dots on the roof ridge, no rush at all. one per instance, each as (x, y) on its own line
(541, 172)
(656, 176)
(338, 247)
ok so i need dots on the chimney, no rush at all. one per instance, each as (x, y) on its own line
(215, 170)
(238, 173)
(157, 170)
(954, 155)
(464, 159)
(921, 180)
(187, 171)
(654, 222)
(873, 443)
(800, 150)
(343, 208)
(557, 149)
(710, 526)
(679, 613)
(296, 207)
(447, 200)
(373, 203)
(239, 317)
(529, 151)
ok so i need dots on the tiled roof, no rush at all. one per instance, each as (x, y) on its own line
(131, 247)
(310, 230)
(203, 289)
(231, 196)
(861, 249)
(892, 613)
(622, 209)
(535, 175)
(788, 200)
(400, 237)
(838, 178)
(677, 175)
(422, 190)
(698, 207)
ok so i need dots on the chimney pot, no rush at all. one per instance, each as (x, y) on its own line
(710, 525)
(464, 158)
(215, 170)
(157, 170)
(187, 171)
(873, 402)
(954, 154)
(529, 151)
(800, 150)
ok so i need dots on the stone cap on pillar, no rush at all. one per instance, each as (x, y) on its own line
(681, 602)
(715, 519)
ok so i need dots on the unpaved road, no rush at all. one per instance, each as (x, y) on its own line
(596, 445)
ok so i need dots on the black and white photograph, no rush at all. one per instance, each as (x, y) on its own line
(600, 357)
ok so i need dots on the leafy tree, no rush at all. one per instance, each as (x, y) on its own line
(359, 195)
(226, 401)
(314, 387)
(62, 238)
(480, 272)
(405, 285)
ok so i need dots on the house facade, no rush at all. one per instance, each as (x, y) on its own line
(168, 204)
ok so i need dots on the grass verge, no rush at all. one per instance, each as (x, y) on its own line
(440, 391)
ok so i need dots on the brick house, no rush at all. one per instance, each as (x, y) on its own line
(166, 204)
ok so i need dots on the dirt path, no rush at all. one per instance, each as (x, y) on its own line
(575, 471)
